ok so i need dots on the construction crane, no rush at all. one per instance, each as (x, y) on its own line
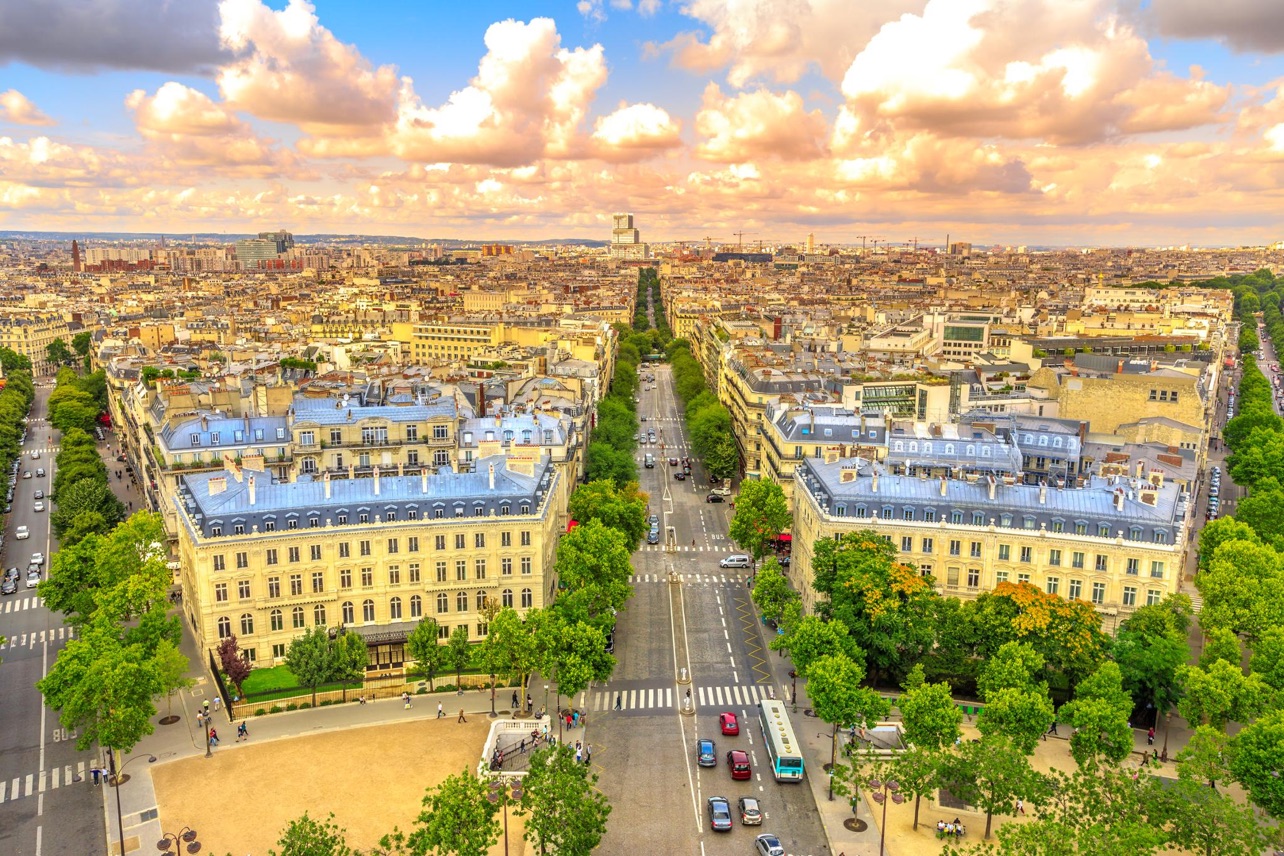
(916, 240)
(740, 240)
(863, 238)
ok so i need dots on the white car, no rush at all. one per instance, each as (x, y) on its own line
(737, 560)
(33, 579)
(22, 533)
(721, 491)
(39, 506)
(35, 456)
(37, 558)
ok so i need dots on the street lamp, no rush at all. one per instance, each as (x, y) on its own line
(171, 844)
(882, 791)
(116, 782)
(505, 793)
(492, 697)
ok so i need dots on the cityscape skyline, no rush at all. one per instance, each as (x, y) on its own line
(1093, 123)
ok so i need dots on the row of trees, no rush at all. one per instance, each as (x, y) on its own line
(78, 354)
(77, 400)
(641, 323)
(86, 504)
(661, 319)
(15, 403)
(708, 422)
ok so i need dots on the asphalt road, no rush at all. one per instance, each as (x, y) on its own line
(686, 613)
(43, 808)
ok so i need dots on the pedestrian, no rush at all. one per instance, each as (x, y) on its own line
(523, 746)
(618, 699)
(242, 732)
(1150, 736)
(1156, 756)
(217, 701)
(1020, 807)
(213, 737)
(461, 716)
(579, 756)
(578, 746)
(207, 707)
(584, 719)
(575, 717)
(588, 753)
(529, 703)
(440, 712)
(200, 719)
(95, 773)
(1053, 729)
(514, 704)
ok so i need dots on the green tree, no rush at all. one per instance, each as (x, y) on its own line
(81, 343)
(58, 352)
(1257, 760)
(1202, 819)
(929, 716)
(761, 515)
(1016, 702)
(565, 811)
(604, 461)
(622, 509)
(351, 656)
(1220, 694)
(510, 647)
(1221, 643)
(425, 649)
(1240, 588)
(458, 819)
(1016, 665)
(918, 771)
(771, 591)
(304, 836)
(834, 687)
(576, 653)
(1149, 648)
(310, 658)
(1066, 632)
(86, 496)
(171, 667)
(593, 568)
(459, 652)
(992, 774)
(1267, 661)
(811, 638)
(1099, 715)
(1203, 758)
(12, 361)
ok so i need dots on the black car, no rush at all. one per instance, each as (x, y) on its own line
(713, 497)
(719, 814)
(9, 586)
(680, 476)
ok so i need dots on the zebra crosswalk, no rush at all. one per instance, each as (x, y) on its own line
(46, 450)
(686, 578)
(666, 698)
(62, 776)
(21, 603)
(31, 640)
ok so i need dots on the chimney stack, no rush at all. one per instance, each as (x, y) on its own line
(992, 483)
(1119, 499)
(376, 480)
(250, 488)
(874, 487)
(325, 480)
(1043, 492)
(944, 486)
(492, 476)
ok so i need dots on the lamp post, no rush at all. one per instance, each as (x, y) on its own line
(492, 697)
(882, 791)
(793, 688)
(504, 793)
(116, 782)
(209, 753)
(173, 843)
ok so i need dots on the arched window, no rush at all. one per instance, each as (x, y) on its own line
(1056, 442)
(276, 619)
(443, 603)
(296, 617)
(349, 614)
(527, 598)
(927, 448)
(1043, 439)
(318, 615)
(913, 446)
(224, 627)
(247, 624)
(956, 517)
(367, 611)
(481, 600)
(949, 448)
(394, 608)
(971, 450)
(506, 598)
(898, 446)
(461, 601)
(416, 606)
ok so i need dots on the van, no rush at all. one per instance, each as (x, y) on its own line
(649, 461)
(737, 560)
(738, 762)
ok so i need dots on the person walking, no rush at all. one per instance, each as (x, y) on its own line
(588, 754)
(440, 712)
(217, 701)
(206, 707)
(1150, 736)
(213, 737)
(522, 749)
(1020, 807)
(514, 704)
(200, 719)
(529, 703)
(618, 699)
(579, 756)
(461, 716)
(242, 732)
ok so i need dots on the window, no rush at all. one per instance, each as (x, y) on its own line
(318, 582)
(1098, 593)
(956, 517)
(242, 560)
(364, 545)
(506, 566)
(1076, 559)
(506, 598)
(976, 550)
(216, 530)
(345, 549)
(505, 539)
(318, 615)
(907, 514)
(243, 589)
(219, 563)
(1103, 530)
(412, 543)
(393, 546)
(907, 543)
(296, 617)
(1080, 527)
(220, 592)
(1076, 589)
(278, 650)
(1133, 568)
(1102, 563)
(1054, 557)
(441, 572)
(271, 556)
(195, 439)
(296, 585)
(481, 601)
(315, 552)
(1000, 577)
(526, 565)
(367, 611)
(345, 578)
(1058, 526)
(348, 613)
(1054, 583)
(1028, 522)
(925, 569)
(1005, 552)
(461, 601)
(1005, 520)
(973, 577)
(440, 542)
(1157, 570)
(460, 540)
(367, 577)
(1161, 536)
(294, 554)
(292, 524)
(1027, 554)
(1023, 577)
(956, 548)
(394, 608)
(224, 627)
(412, 433)
(439, 432)
(479, 540)
(480, 569)
(927, 545)
(440, 458)
(527, 599)
(276, 620)
(1153, 596)
(416, 606)
(394, 575)
(1130, 596)
(414, 572)
(526, 538)
(461, 569)
(274, 586)
(978, 518)
(443, 603)
(929, 515)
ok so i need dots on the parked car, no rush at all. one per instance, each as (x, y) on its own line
(720, 491)
(713, 497)
(26, 474)
(719, 814)
(738, 763)
(736, 560)
(750, 812)
(768, 845)
(729, 724)
(654, 520)
(706, 753)
(9, 586)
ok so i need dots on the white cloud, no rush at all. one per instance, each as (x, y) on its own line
(634, 132)
(758, 124)
(18, 109)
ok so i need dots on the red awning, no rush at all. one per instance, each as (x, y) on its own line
(571, 525)
(785, 536)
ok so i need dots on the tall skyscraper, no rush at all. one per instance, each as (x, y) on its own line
(626, 243)
(75, 255)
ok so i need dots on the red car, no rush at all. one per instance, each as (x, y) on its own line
(738, 763)
(730, 725)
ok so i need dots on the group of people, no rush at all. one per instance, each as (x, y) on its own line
(574, 719)
(945, 829)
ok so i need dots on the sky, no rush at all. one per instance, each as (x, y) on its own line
(1039, 122)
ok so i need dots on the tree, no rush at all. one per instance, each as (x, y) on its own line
(1099, 715)
(576, 653)
(917, 769)
(1149, 648)
(12, 361)
(1066, 632)
(929, 716)
(622, 509)
(459, 652)
(235, 667)
(1240, 588)
(1202, 819)
(605, 462)
(1221, 643)
(84, 496)
(171, 672)
(458, 819)
(593, 568)
(1016, 665)
(1016, 702)
(565, 812)
(761, 515)
(351, 655)
(1203, 758)
(81, 343)
(992, 774)
(425, 649)
(1219, 694)
(304, 836)
(510, 647)
(58, 352)
(833, 685)
(811, 638)
(1257, 760)
(1267, 661)
(771, 590)
(310, 658)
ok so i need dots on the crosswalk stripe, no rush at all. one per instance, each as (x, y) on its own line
(30, 780)
(668, 696)
(80, 770)
(54, 776)
(700, 694)
(3, 787)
